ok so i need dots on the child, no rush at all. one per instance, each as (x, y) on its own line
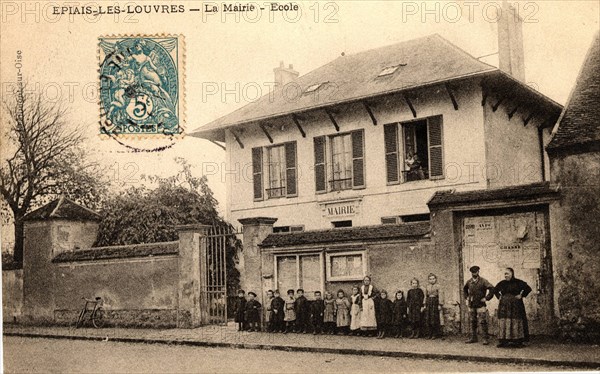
(342, 312)
(383, 314)
(355, 311)
(240, 310)
(433, 305)
(399, 313)
(414, 299)
(329, 314)
(302, 312)
(317, 310)
(277, 313)
(268, 311)
(290, 312)
(252, 312)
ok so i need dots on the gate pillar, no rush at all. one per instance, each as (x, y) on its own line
(255, 229)
(192, 275)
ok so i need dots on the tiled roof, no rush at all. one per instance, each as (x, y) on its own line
(520, 192)
(119, 251)
(364, 233)
(580, 121)
(63, 208)
(421, 62)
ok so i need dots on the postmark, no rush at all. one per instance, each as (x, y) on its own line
(141, 80)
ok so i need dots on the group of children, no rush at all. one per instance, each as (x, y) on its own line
(366, 312)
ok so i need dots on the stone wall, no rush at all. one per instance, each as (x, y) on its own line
(143, 285)
(575, 244)
(12, 295)
(138, 291)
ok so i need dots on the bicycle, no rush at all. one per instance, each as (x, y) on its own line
(92, 311)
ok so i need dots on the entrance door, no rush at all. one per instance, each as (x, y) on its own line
(519, 241)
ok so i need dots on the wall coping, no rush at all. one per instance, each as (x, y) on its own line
(119, 251)
(257, 221)
(192, 227)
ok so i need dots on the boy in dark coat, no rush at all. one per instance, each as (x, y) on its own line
(252, 312)
(383, 314)
(240, 310)
(317, 311)
(302, 311)
(277, 313)
(399, 314)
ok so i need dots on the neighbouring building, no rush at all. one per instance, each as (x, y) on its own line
(328, 189)
(575, 166)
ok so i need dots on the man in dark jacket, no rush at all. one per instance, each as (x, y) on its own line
(477, 291)
(302, 311)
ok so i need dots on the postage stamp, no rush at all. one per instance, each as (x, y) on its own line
(141, 86)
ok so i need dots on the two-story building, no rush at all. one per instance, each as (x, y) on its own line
(337, 167)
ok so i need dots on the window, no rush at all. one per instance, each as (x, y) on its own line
(422, 150)
(342, 167)
(287, 229)
(405, 219)
(341, 162)
(346, 266)
(416, 218)
(281, 171)
(277, 177)
(299, 271)
(314, 87)
(341, 224)
(390, 220)
(388, 71)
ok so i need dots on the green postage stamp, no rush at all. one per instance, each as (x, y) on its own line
(141, 86)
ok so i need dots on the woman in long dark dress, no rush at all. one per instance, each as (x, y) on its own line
(511, 309)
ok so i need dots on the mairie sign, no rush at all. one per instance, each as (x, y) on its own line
(341, 208)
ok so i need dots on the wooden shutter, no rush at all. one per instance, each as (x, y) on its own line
(436, 152)
(358, 159)
(257, 172)
(320, 174)
(390, 135)
(290, 169)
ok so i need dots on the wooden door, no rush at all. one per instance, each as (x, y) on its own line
(516, 240)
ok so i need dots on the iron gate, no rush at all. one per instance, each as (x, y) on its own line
(214, 295)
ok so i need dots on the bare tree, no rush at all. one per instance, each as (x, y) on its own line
(42, 158)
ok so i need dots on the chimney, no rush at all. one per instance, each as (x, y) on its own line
(510, 42)
(285, 75)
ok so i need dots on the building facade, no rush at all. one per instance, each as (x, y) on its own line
(366, 168)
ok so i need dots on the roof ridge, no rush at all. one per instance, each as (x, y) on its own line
(459, 49)
(61, 199)
(80, 205)
(366, 227)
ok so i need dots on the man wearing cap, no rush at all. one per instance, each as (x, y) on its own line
(477, 291)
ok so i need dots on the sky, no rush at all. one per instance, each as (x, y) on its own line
(60, 55)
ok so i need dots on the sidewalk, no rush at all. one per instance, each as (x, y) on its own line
(547, 353)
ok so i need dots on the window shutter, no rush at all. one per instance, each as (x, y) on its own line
(436, 153)
(358, 159)
(320, 174)
(257, 173)
(390, 135)
(290, 169)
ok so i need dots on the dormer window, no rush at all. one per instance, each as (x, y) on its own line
(314, 87)
(390, 70)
